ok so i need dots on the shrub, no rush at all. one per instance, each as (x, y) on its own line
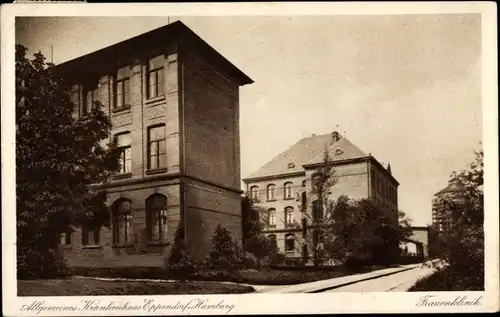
(225, 253)
(34, 263)
(277, 257)
(249, 260)
(135, 272)
(180, 264)
(449, 279)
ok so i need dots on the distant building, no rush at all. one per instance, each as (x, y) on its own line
(441, 218)
(418, 243)
(173, 103)
(282, 186)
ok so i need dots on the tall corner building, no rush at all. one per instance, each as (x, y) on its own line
(282, 186)
(441, 214)
(174, 105)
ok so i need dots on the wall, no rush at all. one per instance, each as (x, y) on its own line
(141, 253)
(140, 183)
(143, 112)
(211, 124)
(280, 203)
(352, 181)
(383, 189)
(206, 206)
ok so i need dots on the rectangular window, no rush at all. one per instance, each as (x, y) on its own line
(289, 243)
(155, 77)
(90, 96)
(317, 207)
(66, 238)
(91, 237)
(156, 147)
(121, 88)
(288, 215)
(123, 142)
(75, 96)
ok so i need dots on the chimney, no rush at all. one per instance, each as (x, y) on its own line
(335, 136)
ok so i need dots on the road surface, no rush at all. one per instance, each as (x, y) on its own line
(399, 282)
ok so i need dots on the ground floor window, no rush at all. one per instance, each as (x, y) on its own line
(122, 222)
(66, 238)
(156, 208)
(289, 242)
(91, 236)
(272, 238)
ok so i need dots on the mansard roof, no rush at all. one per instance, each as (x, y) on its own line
(309, 152)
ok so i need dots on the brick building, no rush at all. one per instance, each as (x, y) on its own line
(282, 186)
(453, 193)
(174, 105)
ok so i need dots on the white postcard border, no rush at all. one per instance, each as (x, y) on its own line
(257, 303)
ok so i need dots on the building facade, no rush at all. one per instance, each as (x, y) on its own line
(283, 186)
(441, 202)
(174, 106)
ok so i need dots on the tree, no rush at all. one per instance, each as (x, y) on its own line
(253, 240)
(225, 253)
(315, 224)
(58, 157)
(462, 247)
(348, 230)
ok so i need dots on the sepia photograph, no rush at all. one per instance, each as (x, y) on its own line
(247, 154)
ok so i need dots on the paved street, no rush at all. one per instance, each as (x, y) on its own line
(398, 279)
(399, 282)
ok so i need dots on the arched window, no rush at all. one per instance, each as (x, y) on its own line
(289, 242)
(288, 190)
(122, 221)
(271, 192)
(156, 209)
(274, 243)
(254, 192)
(288, 215)
(271, 221)
(317, 211)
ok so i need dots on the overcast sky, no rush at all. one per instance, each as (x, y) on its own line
(404, 87)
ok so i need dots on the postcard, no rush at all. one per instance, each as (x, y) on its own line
(249, 158)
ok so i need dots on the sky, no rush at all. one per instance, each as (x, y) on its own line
(405, 88)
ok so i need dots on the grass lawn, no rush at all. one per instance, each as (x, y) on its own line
(261, 276)
(276, 276)
(88, 286)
